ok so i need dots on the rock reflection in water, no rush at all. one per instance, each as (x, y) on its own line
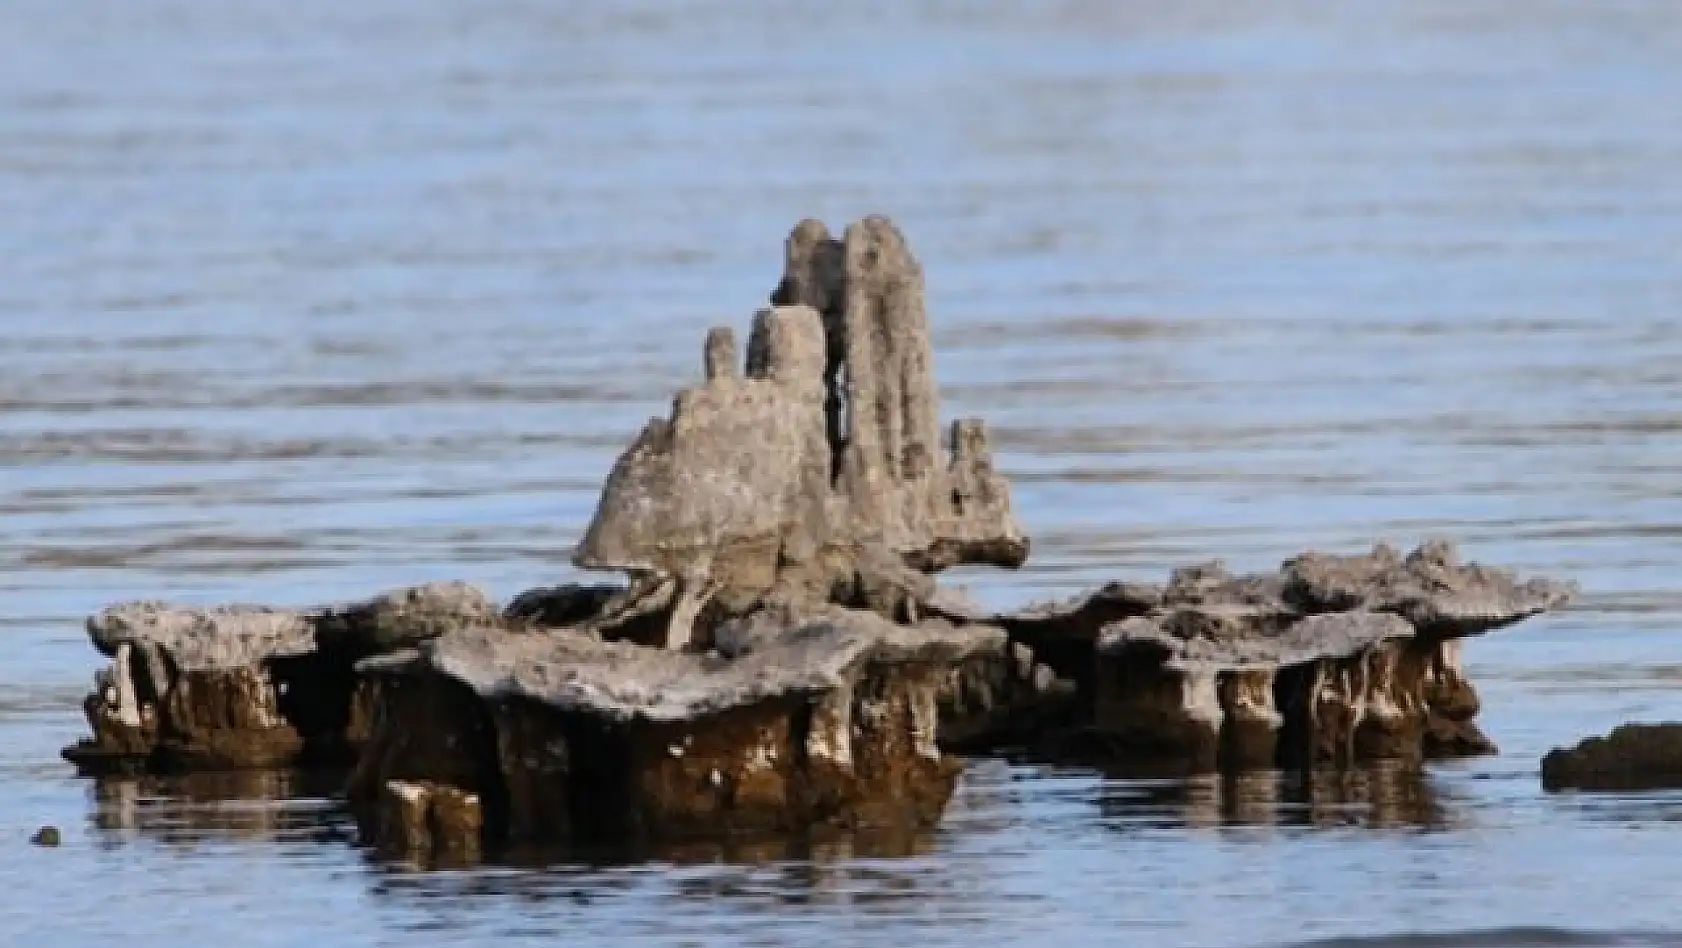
(185, 810)
(812, 851)
(291, 806)
(857, 871)
(1381, 796)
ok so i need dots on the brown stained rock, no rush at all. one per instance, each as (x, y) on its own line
(425, 727)
(1239, 686)
(817, 475)
(1250, 719)
(1064, 634)
(1631, 757)
(831, 721)
(248, 686)
(781, 657)
(1151, 713)
(1002, 696)
(1328, 660)
(222, 718)
(430, 822)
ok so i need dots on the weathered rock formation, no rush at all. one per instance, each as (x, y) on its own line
(1631, 757)
(816, 473)
(247, 686)
(561, 736)
(781, 658)
(1331, 660)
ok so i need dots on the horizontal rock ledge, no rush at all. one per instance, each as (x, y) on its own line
(1330, 660)
(829, 720)
(245, 686)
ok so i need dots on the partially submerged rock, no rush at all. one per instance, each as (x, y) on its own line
(831, 720)
(1200, 683)
(428, 822)
(779, 657)
(247, 686)
(1631, 757)
(1329, 660)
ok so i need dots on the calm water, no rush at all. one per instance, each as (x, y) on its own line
(300, 301)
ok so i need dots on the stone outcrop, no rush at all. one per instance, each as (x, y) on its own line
(814, 471)
(247, 686)
(779, 657)
(827, 721)
(1330, 660)
(1631, 757)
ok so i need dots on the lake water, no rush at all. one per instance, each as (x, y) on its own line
(302, 301)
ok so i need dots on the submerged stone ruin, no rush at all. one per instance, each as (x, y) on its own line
(780, 658)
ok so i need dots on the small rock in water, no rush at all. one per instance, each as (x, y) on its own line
(46, 836)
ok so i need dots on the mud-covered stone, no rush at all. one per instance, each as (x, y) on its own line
(1631, 757)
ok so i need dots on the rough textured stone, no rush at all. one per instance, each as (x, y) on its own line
(430, 822)
(1430, 587)
(1235, 638)
(1064, 634)
(1328, 660)
(1631, 757)
(818, 473)
(402, 617)
(618, 681)
(1001, 696)
(1248, 685)
(566, 604)
(248, 686)
(222, 637)
(780, 657)
(831, 720)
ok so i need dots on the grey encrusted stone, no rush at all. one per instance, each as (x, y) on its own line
(619, 681)
(220, 637)
(1210, 584)
(819, 470)
(1231, 638)
(1431, 588)
(403, 617)
(248, 686)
